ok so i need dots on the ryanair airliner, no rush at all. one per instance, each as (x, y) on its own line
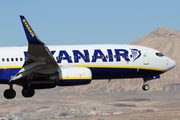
(39, 66)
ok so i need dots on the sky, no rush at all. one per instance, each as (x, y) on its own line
(71, 22)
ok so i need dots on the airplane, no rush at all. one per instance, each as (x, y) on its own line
(38, 66)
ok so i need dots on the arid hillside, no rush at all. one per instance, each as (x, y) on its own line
(163, 39)
(168, 42)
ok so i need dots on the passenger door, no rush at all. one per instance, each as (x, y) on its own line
(145, 57)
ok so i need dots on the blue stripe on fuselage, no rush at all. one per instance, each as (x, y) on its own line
(72, 82)
(97, 73)
(115, 73)
(6, 74)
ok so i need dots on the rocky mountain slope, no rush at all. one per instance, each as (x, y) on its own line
(163, 39)
(168, 42)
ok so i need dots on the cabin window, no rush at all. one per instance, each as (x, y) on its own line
(70, 57)
(106, 56)
(111, 56)
(75, 57)
(12, 59)
(21, 59)
(88, 57)
(127, 56)
(16, 59)
(102, 56)
(57, 58)
(61, 57)
(3, 59)
(119, 56)
(123, 56)
(131, 56)
(115, 56)
(7, 59)
(159, 54)
(84, 57)
(79, 57)
(93, 57)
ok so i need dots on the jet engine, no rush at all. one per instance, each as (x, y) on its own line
(70, 76)
(67, 76)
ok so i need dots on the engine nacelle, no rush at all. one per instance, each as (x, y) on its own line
(74, 76)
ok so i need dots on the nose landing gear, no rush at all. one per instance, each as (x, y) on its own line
(145, 87)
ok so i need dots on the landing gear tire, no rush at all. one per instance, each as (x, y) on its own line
(145, 87)
(9, 94)
(28, 92)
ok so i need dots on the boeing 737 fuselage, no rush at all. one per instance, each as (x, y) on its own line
(39, 66)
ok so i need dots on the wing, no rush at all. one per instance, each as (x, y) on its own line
(39, 59)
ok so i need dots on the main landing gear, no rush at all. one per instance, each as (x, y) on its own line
(26, 92)
(145, 86)
(10, 93)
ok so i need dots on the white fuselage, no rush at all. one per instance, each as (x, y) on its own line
(114, 58)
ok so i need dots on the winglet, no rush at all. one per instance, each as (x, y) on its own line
(31, 36)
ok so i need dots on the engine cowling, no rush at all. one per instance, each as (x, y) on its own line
(70, 76)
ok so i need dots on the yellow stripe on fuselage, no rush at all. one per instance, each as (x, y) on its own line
(66, 78)
(98, 66)
(132, 67)
(10, 67)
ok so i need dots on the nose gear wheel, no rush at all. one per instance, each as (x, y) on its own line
(145, 87)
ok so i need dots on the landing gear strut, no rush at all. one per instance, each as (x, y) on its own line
(10, 93)
(145, 87)
(26, 92)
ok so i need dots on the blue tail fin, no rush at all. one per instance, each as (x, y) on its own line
(31, 36)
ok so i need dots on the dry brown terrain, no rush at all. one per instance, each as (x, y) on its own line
(50, 104)
(124, 96)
